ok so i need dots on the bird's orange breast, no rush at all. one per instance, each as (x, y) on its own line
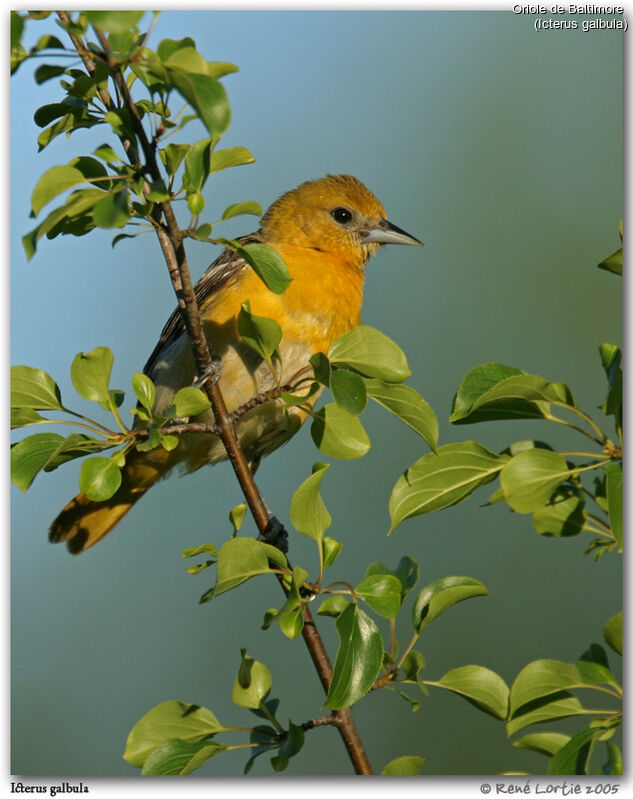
(322, 302)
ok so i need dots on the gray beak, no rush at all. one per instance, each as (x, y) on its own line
(386, 233)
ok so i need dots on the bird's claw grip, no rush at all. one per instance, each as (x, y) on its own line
(211, 375)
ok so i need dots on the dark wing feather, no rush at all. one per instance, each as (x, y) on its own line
(225, 266)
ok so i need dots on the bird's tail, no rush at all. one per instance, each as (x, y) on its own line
(83, 521)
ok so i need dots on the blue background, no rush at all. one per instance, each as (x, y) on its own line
(500, 148)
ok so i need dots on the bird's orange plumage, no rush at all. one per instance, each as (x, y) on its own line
(325, 230)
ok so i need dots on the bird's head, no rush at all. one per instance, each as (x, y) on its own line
(335, 214)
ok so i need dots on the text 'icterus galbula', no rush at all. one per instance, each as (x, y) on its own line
(325, 230)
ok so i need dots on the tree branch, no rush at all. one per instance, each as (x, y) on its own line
(171, 241)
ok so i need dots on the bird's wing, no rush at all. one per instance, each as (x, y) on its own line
(226, 265)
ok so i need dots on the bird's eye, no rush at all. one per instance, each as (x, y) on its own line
(341, 215)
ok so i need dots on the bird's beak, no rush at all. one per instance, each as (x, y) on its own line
(386, 233)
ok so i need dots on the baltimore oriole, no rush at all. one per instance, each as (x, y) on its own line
(325, 230)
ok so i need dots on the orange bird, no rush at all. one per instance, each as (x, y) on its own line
(325, 230)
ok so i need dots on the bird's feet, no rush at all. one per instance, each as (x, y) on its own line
(210, 376)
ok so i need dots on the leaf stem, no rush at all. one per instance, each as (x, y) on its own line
(551, 418)
(262, 708)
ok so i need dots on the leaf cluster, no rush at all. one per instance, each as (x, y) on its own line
(145, 98)
(533, 478)
(34, 390)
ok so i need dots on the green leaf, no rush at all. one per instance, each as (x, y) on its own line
(158, 192)
(407, 765)
(290, 616)
(47, 42)
(145, 390)
(237, 516)
(190, 401)
(252, 684)
(47, 71)
(382, 592)
(529, 479)
(348, 391)
(52, 183)
(262, 334)
(112, 211)
(35, 389)
(203, 549)
(92, 170)
(370, 352)
(151, 442)
(179, 757)
(572, 757)
(45, 114)
(407, 571)
(218, 69)
(76, 445)
(239, 559)
(321, 368)
(331, 550)
(493, 391)
(29, 456)
(167, 47)
(268, 264)
(405, 403)
(242, 208)
(172, 156)
(72, 118)
(358, 659)
(308, 512)
(547, 743)
(612, 632)
(188, 59)
(90, 374)
(412, 665)
(293, 742)
(230, 156)
(333, 606)
(301, 398)
(541, 678)
(442, 478)
(481, 686)
(593, 667)
(550, 708)
(72, 217)
(17, 28)
(99, 478)
(562, 516)
(476, 382)
(198, 164)
(172, 719)
(169, 442)
(206, 96)
(611, 357)
(614, 498)
(114, 21)
(23, 417)
(613, 262)
(614, 764)
(338, 433)
(18, 55)
(201, 233)
(442, 594)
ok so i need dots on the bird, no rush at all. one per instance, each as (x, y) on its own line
(325, 230)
